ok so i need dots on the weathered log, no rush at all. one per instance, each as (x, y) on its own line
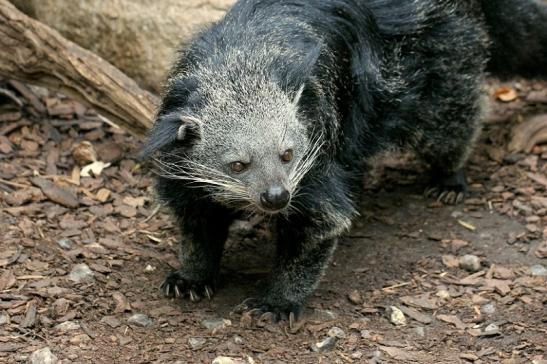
(32, 52)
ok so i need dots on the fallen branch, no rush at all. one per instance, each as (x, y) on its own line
(32, 52)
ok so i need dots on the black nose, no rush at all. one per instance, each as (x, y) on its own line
(275, 198)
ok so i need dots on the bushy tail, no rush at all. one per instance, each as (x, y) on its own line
(518, 29)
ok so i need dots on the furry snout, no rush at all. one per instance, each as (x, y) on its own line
(275, 198)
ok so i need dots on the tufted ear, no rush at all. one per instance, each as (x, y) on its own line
(191, 127)
(170, 129)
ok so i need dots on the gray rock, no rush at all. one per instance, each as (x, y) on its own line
(396, 316)
(215, 324)
(111, 321)
(488, 308)
(140, 319)
(196, 342)
(420, 331)
(238, 339)
(81, 273)
(67, 326)
(323, 315)
(65, 243)
(227, 360)
(337, 332)
(491, 330)
(357, 355)
(43, 356)
(4, 318)
(470, 263)
(538, 270)
(328, 344)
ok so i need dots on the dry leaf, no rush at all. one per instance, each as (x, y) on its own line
(94, 169)
(506, 94)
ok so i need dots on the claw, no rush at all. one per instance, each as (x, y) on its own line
(441, 196)
(208, 292)
(265, 319)
(193, 296)
(177, 292)
(460, 197)
(167, 290)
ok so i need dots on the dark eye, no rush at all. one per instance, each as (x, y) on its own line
(238, 167)
(287, 156)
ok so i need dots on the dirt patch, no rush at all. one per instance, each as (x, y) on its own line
(82, 258)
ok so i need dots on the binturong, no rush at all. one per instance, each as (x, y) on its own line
(275, 109)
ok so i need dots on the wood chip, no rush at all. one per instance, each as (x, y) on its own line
(56, 193)
(454, 320)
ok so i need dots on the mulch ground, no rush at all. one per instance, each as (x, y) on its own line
(84, 248)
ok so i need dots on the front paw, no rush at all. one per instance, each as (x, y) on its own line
(271, 311)
(180, 284)
(450, 189)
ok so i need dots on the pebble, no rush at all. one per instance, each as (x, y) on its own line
(491, 329)
(140, 319)
(111, 321)
(3, 318)
(470, 263)
(355, 297)
(226, 360)
(65, 243)
(81, 273)
(337, 332)
(488, 308)
(323, 315)
(149, 268)
(396, 316)
(216, 324)
(443, 293)
(196, 342)
(420, 331)
(357, 355)
(538, 270)
(43, 356)
(238, 339)
(79, 339)
(325, 345)
(67, 326)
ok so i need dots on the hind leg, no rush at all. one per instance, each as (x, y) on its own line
(445, 143)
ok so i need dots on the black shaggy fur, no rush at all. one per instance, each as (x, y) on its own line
(377, 74)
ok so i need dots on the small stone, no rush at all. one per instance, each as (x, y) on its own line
(43, 356)
(196, 342)
(488, 308)
(323, 315)
(396, 316)
(65, 243)
(357, 355)
(140, 319)
(226, 360)
(79, 339)
(81, 273)
(328, 344)
(538, 270)
(470, 263)
(216, 324)
(420, 331)
(124, 339)
(443, 293)
(4, 318)
(84, 153)
(149, 268)
(238, 339)
(111, 321)
(67, 326)
(365, 334)
(355, 297)
(337, 332)
(491, 330)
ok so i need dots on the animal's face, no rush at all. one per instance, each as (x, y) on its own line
(248, 152)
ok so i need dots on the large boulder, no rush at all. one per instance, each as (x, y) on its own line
(140, 37)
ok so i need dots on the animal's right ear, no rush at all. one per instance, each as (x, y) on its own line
(170, 129)
(189, 128)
